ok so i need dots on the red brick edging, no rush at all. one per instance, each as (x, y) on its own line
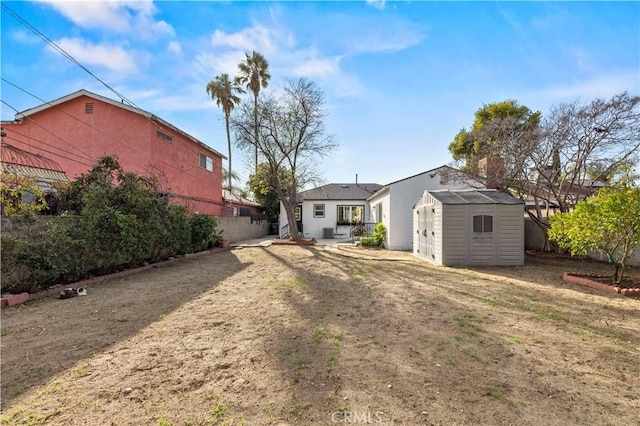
(587, 280)
(16, 299)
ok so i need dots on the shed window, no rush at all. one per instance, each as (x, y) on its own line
(318, 210)
(350, 215)
(298, 213)
(164, 136)
(206, 162)
(88, 108)
(483, 223)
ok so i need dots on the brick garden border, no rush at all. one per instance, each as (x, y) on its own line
(592, 282)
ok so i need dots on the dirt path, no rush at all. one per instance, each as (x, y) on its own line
(304, 335)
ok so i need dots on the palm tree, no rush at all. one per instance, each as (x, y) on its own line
(254, 74)
(225, 92)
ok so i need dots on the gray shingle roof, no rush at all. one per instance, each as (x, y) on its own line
(474, 196)
(340, 191)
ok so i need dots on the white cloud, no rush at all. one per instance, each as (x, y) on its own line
(175, 47)
(130, 17)
(25, 37)
(602, 86)
(378, 4)
(112, 57)
(317, 67)
(211, 64)
(257, 38)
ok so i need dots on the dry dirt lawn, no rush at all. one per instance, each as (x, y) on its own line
(290, 335)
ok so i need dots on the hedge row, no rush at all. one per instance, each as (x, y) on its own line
(114, 221)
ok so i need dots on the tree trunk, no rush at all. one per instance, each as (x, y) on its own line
(255, 126)
(290, 208)
(228, 148)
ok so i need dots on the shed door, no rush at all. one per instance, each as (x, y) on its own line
(426, 232)
(430, 237)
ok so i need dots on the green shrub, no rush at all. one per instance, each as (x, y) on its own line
(380, 234)
(203, 231)
(120, 220)
(369, 241)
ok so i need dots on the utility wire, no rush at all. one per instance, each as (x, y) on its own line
(63, 52)
(47, 151)
(60, 50)
(22, 141)
(86, 156)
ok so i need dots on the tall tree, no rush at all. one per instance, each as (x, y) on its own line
(559, 159)
(254, 74)
(497, 127)
(291, 139)
(225, 92)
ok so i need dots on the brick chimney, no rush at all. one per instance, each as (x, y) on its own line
(492, 170)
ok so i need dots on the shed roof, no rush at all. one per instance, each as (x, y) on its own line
(473, 196)
(339, 191)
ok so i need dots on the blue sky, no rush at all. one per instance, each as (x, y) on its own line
(400, 78)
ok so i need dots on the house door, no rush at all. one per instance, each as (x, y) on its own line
(299, 217)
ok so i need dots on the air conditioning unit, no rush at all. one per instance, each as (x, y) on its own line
(327, 232)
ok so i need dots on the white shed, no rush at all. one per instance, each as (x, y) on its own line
(469, 227)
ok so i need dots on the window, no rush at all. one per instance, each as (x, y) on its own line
(206, 162)
(379, 213)
(482, 223)
(164, 136)
(298, 213)
(350, 215)
(318, 210)
(88, 108)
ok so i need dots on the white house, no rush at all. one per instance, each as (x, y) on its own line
(330, 210)
(393, 203)
(469, 227)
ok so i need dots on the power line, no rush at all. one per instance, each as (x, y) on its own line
(47, 151)
(87, 157)
(67, 55)
(12, 130)
(62, 51)
(72, 59)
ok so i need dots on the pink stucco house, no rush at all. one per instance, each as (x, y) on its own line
(77, 129)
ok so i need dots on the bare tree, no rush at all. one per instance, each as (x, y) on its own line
(291, 138)
(581, 147)
(575, 149)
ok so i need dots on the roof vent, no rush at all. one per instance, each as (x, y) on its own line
(344, 186)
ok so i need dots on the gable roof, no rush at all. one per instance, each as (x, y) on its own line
(339, 191)
(473, 196)
(442, 169)
(160, 122)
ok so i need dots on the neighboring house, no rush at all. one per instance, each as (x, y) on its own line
(330, 210)
(77, 129)
(235, 205)
(392, 204)
(469, 227)
(18, 166)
